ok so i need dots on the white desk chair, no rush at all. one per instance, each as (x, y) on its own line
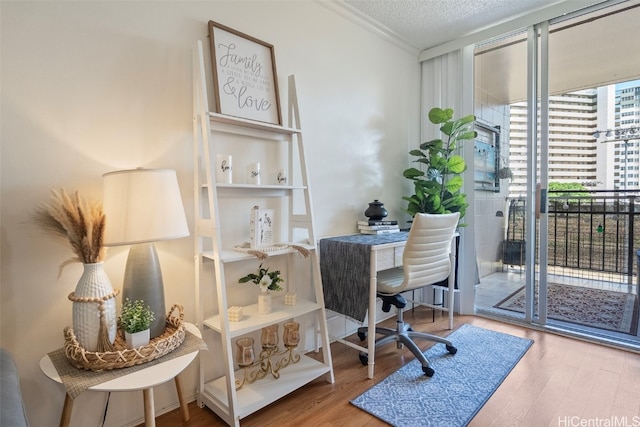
(425, 261)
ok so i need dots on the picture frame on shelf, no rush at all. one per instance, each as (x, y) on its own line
(244, 75)
(261, 227)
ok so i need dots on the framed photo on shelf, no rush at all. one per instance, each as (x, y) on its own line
(261, 227)
(487, 157)
(244, 75)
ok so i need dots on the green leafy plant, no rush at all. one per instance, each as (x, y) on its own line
(265, 279)
(567, 189)
(567, 193)
(135, 316)
(438, 184)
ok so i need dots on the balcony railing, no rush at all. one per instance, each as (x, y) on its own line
(595, 231)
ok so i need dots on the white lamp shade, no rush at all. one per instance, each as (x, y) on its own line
(142, 205)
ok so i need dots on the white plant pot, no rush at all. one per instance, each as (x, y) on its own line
(264, 303)
(137, 339)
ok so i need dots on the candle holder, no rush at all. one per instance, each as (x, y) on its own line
(245, 356)
(269, 337)
(271, 358)
(291, 338)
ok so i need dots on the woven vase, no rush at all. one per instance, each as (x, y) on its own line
(94, 283)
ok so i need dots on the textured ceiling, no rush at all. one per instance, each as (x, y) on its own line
(612, 35)
(429, 23)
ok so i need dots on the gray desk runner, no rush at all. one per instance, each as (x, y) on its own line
(76, 380)
(344, 263)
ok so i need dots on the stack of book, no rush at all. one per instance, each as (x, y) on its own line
(383, 226)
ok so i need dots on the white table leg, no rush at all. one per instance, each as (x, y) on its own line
(452, 280)
(371, 338)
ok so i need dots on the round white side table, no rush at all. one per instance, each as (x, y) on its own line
(145, 378)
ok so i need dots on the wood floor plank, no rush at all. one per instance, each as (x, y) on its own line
(548, 400)
(558, 377)
(627, 397)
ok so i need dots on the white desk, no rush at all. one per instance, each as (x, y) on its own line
(384, 252)
(145, 378)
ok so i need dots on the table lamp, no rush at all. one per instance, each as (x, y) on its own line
(143, 206)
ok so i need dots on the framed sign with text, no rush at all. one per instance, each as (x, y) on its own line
(244, 75)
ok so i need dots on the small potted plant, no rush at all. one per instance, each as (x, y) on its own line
(135, 320)
(268, 281)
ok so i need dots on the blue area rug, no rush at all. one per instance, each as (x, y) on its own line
(460, 387)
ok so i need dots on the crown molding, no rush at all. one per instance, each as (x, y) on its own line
(369, 24)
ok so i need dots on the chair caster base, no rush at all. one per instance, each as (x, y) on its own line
(364, 358)
(428, 371)
(451, 349)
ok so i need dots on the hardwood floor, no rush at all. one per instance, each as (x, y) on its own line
(559, 382)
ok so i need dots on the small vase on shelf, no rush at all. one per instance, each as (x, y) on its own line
(264, 303)
(268, 281)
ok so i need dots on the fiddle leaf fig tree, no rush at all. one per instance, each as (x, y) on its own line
(438, 183)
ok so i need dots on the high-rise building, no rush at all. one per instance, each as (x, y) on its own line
(604, 160)
(625, 136)
(572, 147)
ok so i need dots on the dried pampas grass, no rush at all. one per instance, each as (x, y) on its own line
(79, 220)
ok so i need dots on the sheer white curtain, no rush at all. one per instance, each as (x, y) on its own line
(447, 82)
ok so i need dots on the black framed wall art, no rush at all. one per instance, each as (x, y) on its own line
(487, 157)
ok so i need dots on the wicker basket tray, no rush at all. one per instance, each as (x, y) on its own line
(122, 357)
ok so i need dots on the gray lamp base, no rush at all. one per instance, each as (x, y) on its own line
(143, 281)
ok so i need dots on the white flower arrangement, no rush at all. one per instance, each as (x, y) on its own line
(268, 281)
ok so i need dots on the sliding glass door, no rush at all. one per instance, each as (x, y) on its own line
(501, 70)
(566, 253)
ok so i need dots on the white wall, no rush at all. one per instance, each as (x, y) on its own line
(92, 87)
(487, 204)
